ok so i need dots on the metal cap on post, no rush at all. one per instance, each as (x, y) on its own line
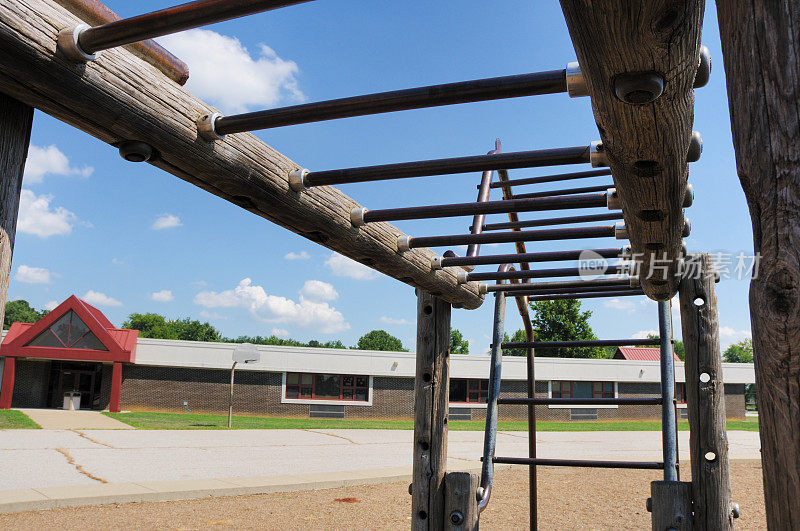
(436, 263)
(687, 227)
(297, 179)
(462, 277)
(688, 196)
(357, 216)
(612, 199)
(576, 83)
(403, 243)
(206, 127)
(597, 156)
(703, 68)
(620, 231)
(69, 47)
(695, 147)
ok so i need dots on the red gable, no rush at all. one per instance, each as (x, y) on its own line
(75, 330)
(640, 354)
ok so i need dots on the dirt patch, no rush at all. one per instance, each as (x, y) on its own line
(569, 498)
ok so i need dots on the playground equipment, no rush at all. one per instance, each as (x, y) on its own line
(130, 96)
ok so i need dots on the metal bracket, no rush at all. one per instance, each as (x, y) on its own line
(462, 277)
(206, 127)
(297, 179)
(703, 68)
(67, 44)
(597, 156)
(576, 83)
(695, 147)
(482, 288)
(357, 216)
(687, 227)
(403, 243)
(620, 231)
(612, 199)
(688, 197)
(436, 263)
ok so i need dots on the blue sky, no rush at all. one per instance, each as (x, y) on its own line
(130, 238)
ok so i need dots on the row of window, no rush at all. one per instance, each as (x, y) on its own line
(355, 388)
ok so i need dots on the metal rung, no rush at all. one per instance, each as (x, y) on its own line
(645, 465)
(567, 220)
(588, 402)
(588, 343)
(547, 256)
(584, 295)
(551, 178)
(567, 191)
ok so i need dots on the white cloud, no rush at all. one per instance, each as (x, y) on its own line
(302, 255)
(316, 290)
(212, 315)
(619, 304)
(642, 334)
(164, 295)
(50, 305)
(341, 266)
(280, 332)
(49, 160)
(100, 299)
(729, 335)
(32, 275)
(273, 309)
(166, 221)
(227, 75)
(392, 320)
(117, 261)
(37, 218)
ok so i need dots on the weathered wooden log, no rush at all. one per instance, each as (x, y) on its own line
(461, 502)
(15, 133)
(431, 399)
(762, 67)
(646, 144)
(705, 397)
(671, 505)
(120, 97)
(95, 13)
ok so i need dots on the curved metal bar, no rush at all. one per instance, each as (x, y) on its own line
(490, 432)
(483, 196)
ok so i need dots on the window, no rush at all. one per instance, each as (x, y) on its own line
(472, 391)
(680, 392)
(587, 390)
(68, 332)
(327, 386)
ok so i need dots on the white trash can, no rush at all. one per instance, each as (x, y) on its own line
(72, 401)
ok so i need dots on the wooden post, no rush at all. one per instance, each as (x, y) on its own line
(461, 501)
(672, 506)
(16, 120)
(762, 67)
(431, 397)
(705, 396)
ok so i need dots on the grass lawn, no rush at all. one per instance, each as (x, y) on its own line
(16, 420)
(187, 421)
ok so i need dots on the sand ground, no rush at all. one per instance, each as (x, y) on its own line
(571, 498)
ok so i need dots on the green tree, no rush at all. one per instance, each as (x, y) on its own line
(20, 311)
(157, 326)
(741, 352)
(519, 336)
(563, 320)
(458, 345)
(380, 340)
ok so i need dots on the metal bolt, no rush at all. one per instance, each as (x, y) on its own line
(639, 88)
(695, 147)
(206, 127)
(134, 151)
(456, 518)
(703, 68)
(649, 505)
(735, 510)
(410, 488)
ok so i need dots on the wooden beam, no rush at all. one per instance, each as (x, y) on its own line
(762, 67)
(461, 501)
(671, 505)
(431, 399)
(705, 400)
(646, 144)
(16, 120)
(119, 97)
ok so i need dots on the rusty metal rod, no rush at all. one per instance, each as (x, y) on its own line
(489, 207)
(547, 256)
(590, 343)
(172, 20)
(552, 178)
(533, 297)
(520, 159)
(644, 465)
(567, 220)
(565, 191)
(483, 197)
(513, 236)
(653, 401)
(579, 284)
(543, 273)
(495, 88)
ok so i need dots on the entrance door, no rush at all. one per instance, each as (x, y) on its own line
(83, 378)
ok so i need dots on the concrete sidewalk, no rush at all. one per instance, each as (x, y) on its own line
(49, 468)
(59, 419)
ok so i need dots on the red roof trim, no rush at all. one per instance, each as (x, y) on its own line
(641, 354)
(121, 343)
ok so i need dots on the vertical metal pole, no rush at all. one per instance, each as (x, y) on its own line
(668, 425)
(483, 196)
(230, 401)
(490, 433)
(532, 487)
